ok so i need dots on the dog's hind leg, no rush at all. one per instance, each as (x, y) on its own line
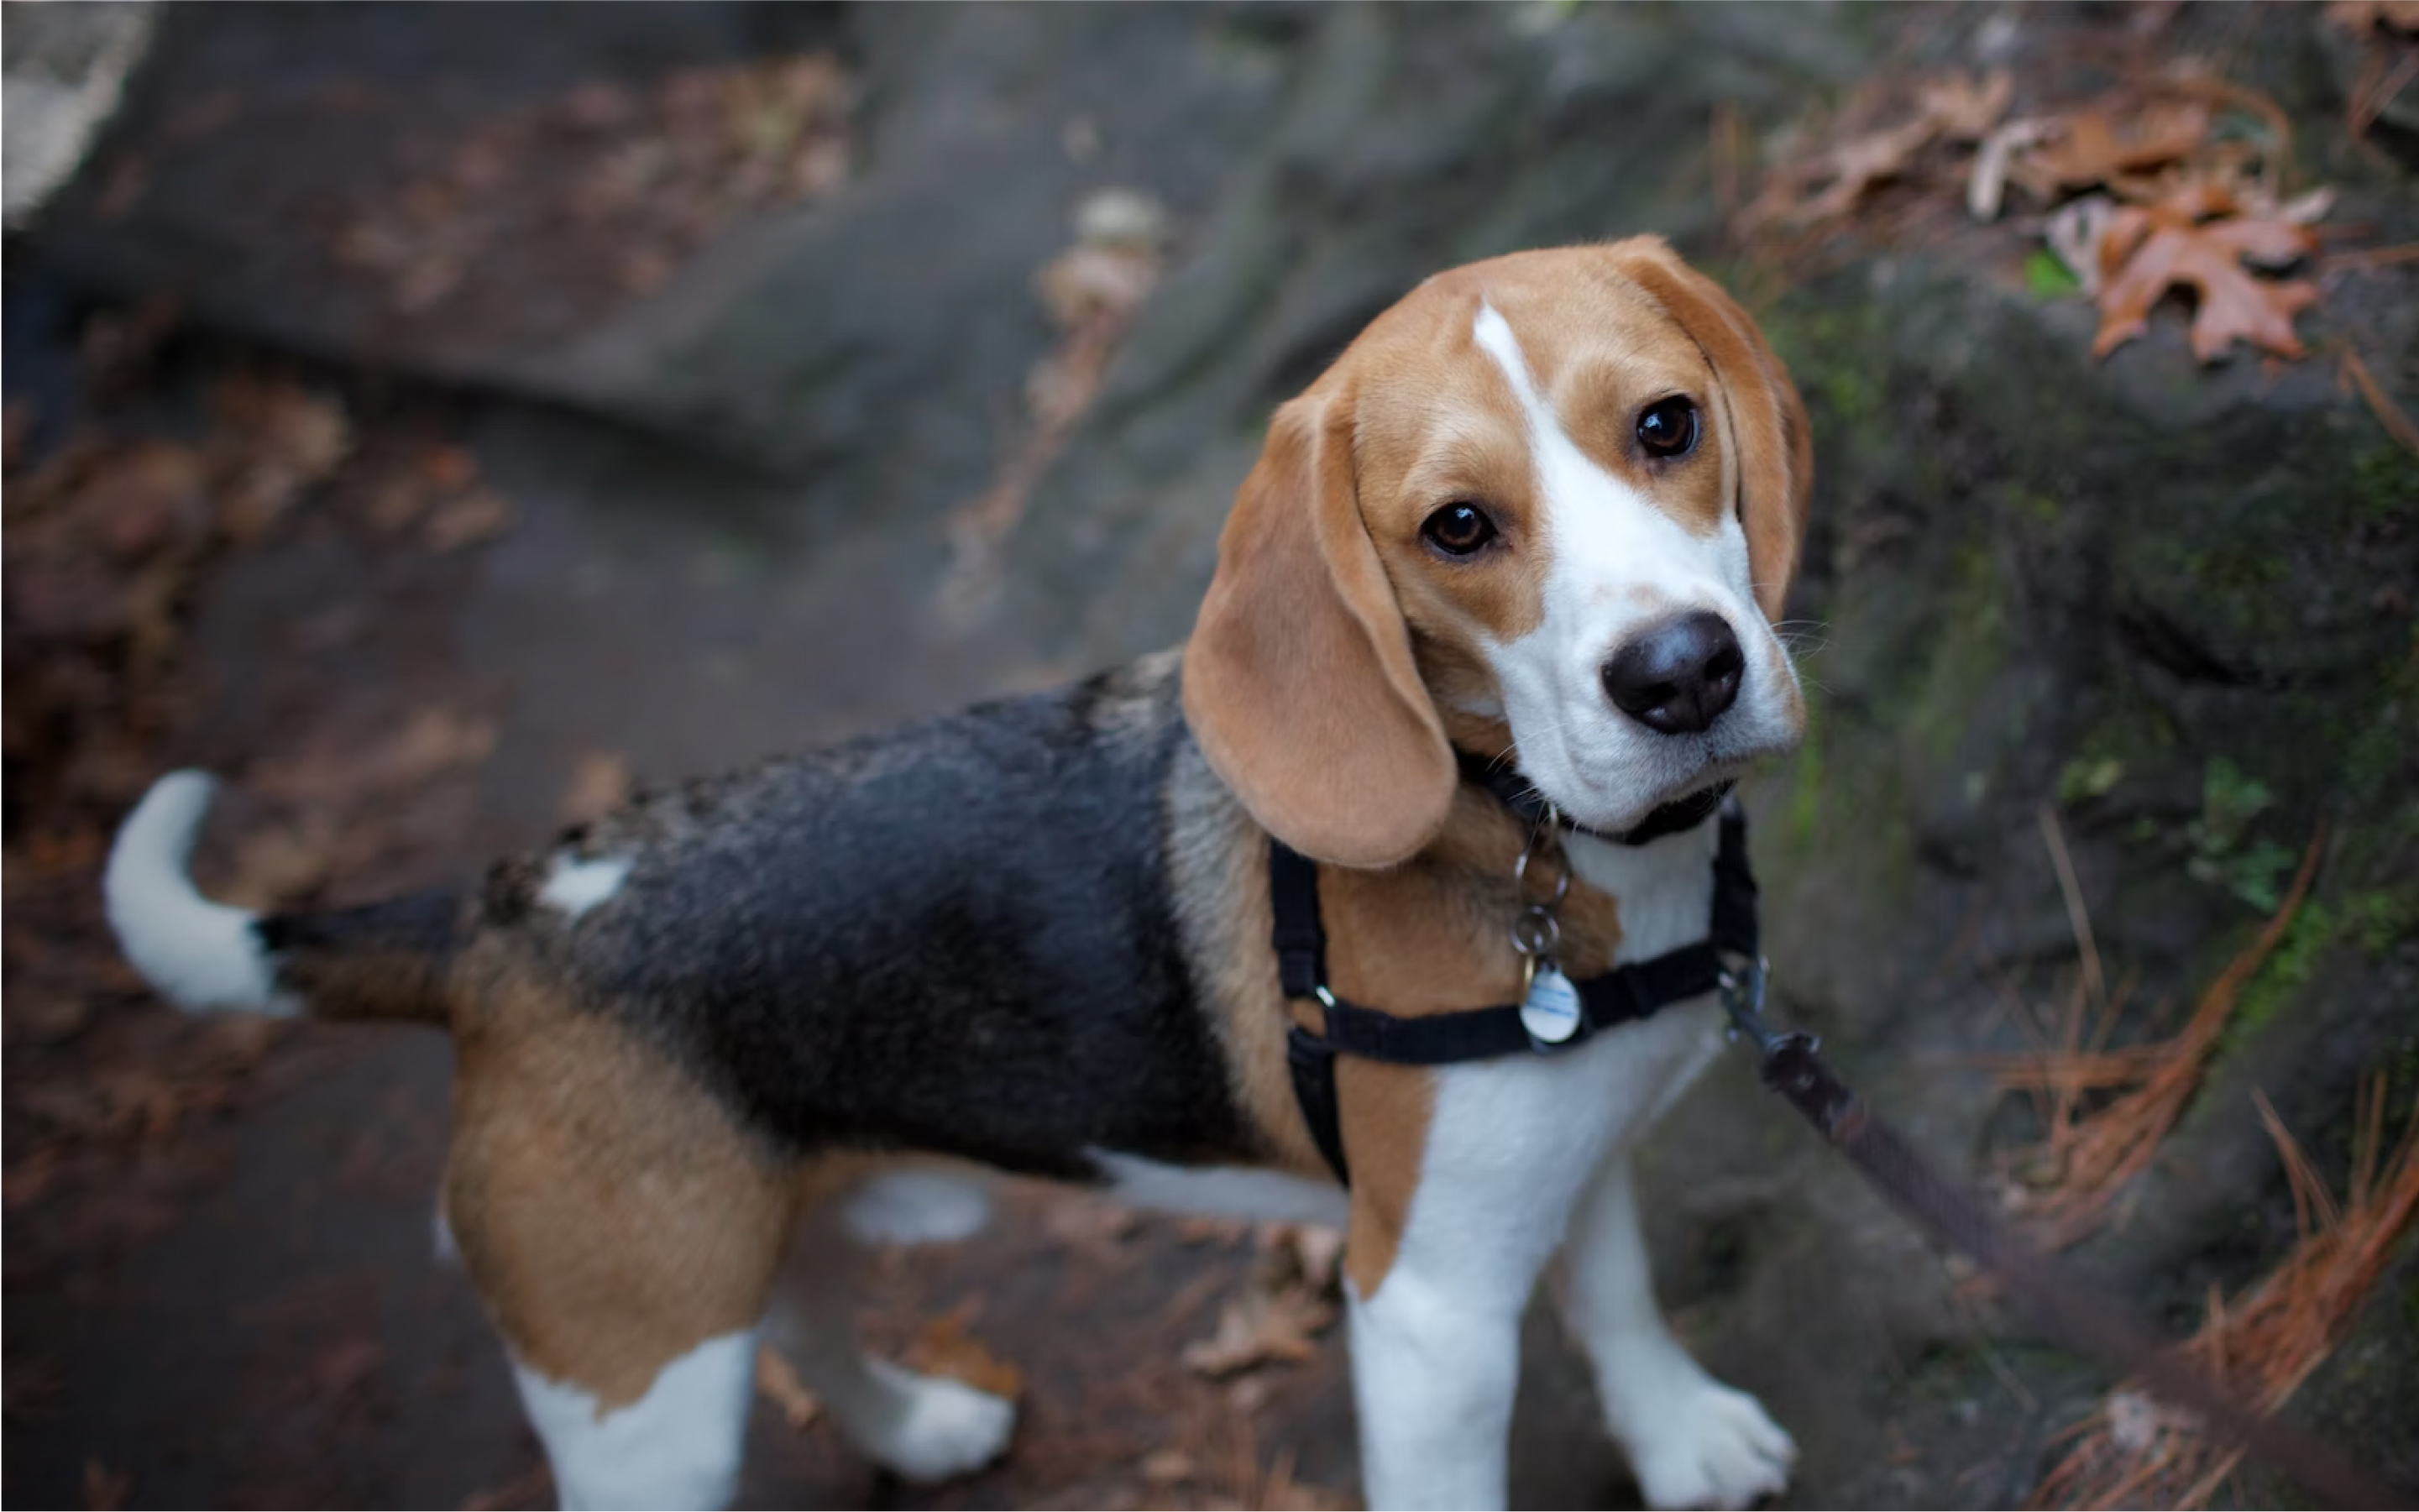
(920, 1428)
(624, 1233)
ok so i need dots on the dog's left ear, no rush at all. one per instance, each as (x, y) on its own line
(1775, 446)
(1298, 681)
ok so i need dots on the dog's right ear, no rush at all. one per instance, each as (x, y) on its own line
(1298, 681)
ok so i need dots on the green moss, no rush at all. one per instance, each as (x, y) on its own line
(1969, 647)
(2315, 930)
(2087, 777)
(2384, 483)
(2225, 850)
(1806, 789)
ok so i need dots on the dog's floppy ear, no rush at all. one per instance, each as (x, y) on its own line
(1775, 447)
(1298, 681)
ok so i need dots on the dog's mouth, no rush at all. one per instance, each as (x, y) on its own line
(1673, 804)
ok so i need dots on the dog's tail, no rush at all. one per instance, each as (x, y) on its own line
(387, 960)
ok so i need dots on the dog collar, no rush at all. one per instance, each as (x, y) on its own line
(1621, 995)
(1517, 794)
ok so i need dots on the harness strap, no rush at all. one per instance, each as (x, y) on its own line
(1621, 995)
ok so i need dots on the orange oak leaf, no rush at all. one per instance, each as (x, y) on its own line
(2146, 252)
(2093, 149)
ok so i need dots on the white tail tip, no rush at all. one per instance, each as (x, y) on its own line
(199, 955)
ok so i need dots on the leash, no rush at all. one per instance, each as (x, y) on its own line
(2078, 1316)
(1557, 1013)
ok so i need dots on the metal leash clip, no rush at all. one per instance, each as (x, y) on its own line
(1744, 982)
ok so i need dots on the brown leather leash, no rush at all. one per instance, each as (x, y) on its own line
(2082, 1318)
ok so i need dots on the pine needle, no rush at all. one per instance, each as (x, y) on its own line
(2134, 1452)
(2097, 1155)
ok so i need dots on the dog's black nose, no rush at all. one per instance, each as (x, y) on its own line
(1678, 676)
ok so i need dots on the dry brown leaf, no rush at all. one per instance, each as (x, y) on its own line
(468, 519)
(779, 1384)
(946, 1349)
(598, 785)
(2092, 149)
(1964, 107)
(279, 440)
(1855, 167)
(2147, 251)
(1259, 1326)
(1165, 1467)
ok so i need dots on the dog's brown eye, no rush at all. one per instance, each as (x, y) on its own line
(1458, 530)
(1667, 427)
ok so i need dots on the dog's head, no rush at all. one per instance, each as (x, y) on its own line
(1551, 501)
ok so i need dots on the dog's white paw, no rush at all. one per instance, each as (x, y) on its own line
(1708, 1446)
(943, 1428)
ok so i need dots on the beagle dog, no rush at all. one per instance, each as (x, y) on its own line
(1541, 513)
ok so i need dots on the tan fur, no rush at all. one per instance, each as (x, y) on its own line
(1219, 866)
(1775, 444)
(610, 1211)
(1299, 682)
(1295, 681)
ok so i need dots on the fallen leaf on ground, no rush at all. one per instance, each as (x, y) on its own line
(2089, 148)
(1310, 1253)
(599, 784)
(1260, 1326)
(946, 1349)
(1855, 167)
(277, 439)
(1964, 107)
(471, 518)
(2146, 252)
(779, 1384)
(1165, 1467)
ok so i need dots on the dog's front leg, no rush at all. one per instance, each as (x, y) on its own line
(1448, 1233)
(1433, 1374)
(1693, 1441)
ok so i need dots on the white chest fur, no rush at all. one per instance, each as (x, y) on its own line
(1511, 1140)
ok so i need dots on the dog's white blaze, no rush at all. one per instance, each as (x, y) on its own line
(916, 1207)
(573, 886)
(1221, 1190)
(677, 1446)
(1618, 566)
(1513, 1144)
(199, 955)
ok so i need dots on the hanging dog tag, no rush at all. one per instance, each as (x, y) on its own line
(1551, 1013)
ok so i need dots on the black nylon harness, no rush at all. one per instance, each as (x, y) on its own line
(1621, 995)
